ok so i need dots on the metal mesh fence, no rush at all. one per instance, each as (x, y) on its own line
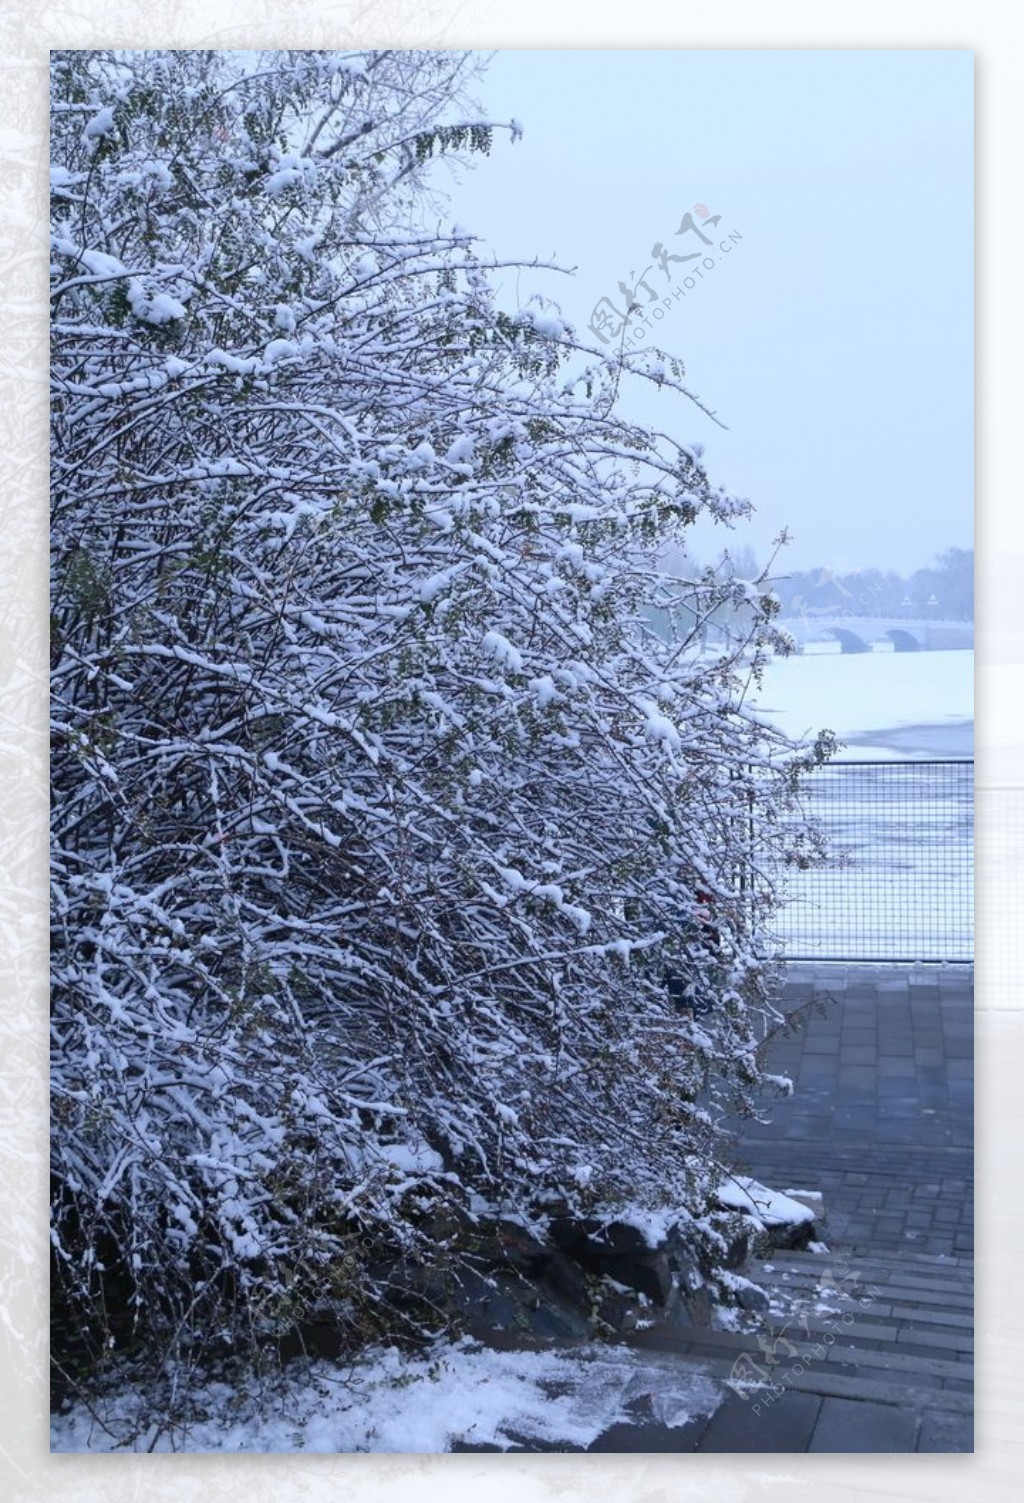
(900, 882)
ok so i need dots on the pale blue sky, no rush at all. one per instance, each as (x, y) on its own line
(836, 340)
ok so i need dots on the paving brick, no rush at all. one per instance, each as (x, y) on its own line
(951, 1340)
(886, 1134)
(867, 1372)
(912, 1349)
(858, 1228)
(942, 1294)
(892, 1364)
(764, 1422)
(859, 1426)
(896, 1130)
(858, 1054)
(946, 1432)
(951, 1321)
(861, 1328)
(857, 1074)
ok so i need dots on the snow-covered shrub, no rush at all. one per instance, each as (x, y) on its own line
(379, 816)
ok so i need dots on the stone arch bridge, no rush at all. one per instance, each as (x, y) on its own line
(864, 634)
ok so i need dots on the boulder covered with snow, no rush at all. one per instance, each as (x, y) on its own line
(565, 1278)
(812, 1199)
(773, 1215)
(652, 1257)
(495, 1302)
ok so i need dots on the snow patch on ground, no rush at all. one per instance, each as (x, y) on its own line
(392, 1402)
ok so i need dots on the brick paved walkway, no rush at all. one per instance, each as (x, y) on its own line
(886, 1365)
(881, 1123)
(881, 1119)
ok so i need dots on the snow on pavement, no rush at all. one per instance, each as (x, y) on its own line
(397, 1403)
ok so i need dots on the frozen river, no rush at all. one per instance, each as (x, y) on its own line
(952, 740)
(887, 704)
(901, 886)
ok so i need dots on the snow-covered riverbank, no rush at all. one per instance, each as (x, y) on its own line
(879, 704)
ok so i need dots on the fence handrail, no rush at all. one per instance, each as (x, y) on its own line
(896, 762)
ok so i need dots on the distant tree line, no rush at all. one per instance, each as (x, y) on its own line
(942, 591)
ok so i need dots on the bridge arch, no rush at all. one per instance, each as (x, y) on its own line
(903, 640)
(849, 640)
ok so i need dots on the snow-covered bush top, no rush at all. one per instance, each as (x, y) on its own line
(378, 813)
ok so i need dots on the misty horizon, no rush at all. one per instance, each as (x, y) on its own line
(834, 340)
